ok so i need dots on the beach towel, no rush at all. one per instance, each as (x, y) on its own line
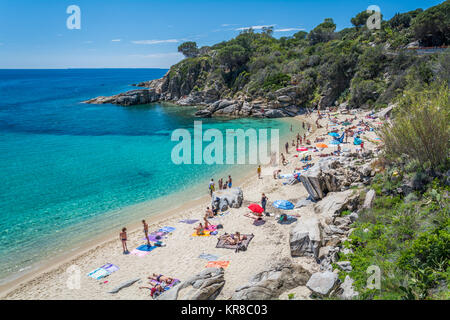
(205, 234)
(289, 220)
(211, 227)
(98, 273)
(222, 244)
(124, 285)
(217, 264)
(146, 248)
(209, 257)
(188, 221)
(156, 236)
(110, 267)
(258, 223)
(167, 229)
(139, 253)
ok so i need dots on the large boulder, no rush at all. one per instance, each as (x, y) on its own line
(271, 283)
(322, 283)
(368, 201)
(228, 198)
(305, 237)
(336, 202)
(204, 286)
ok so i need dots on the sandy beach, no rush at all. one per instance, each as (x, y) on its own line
(180, 257)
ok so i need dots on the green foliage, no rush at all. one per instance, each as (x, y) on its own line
(232, 56)
(432, 26)
(324, 32)
(408, 241)
(276, 81)
(421, 128)
(360, 19)
(363, 67)
(188, 49)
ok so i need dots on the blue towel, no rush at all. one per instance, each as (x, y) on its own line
(146, 247)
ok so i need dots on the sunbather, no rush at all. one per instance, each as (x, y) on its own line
(199, 229)
(161, 278)
(233, 239)
(209, 213)
(155, 289)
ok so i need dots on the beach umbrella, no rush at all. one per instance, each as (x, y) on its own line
(283, 204)
(321, 145)
(334, 134)
(256, 208)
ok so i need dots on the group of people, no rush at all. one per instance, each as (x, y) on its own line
(222, 184)
(124, 238)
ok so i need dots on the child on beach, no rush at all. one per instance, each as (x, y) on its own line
(123, 238)
(229, 182)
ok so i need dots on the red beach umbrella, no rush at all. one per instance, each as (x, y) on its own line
(256, 208)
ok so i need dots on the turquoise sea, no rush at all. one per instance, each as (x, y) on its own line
(72, 171)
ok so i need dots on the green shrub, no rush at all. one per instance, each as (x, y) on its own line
(421, 129)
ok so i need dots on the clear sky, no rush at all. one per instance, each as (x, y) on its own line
(146, 33)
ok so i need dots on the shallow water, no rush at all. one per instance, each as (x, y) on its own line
(70, 171)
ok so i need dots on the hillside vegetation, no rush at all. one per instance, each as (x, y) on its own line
(321, 68)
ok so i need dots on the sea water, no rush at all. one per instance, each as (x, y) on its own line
(71, 171)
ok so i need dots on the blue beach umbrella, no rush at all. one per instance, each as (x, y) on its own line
(283, 204)
(334, 134)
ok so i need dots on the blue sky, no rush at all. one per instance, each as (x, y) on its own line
(146, 33)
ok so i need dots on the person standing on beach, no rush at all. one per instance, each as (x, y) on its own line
(259, 172)
(220, 183)
(229, 182)
(146, 232)
(123, 238)
(211, 187)
(287, 147)
(264, 202)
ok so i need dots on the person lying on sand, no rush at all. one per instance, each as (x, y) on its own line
(233, 239)
(161, 278)
(199, 229)
(155, 289)
(254, 215)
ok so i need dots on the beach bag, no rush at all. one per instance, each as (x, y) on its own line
(241, 247)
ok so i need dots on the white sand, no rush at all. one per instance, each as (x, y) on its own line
(179, 258)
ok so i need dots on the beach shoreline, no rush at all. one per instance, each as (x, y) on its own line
(45, 267)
